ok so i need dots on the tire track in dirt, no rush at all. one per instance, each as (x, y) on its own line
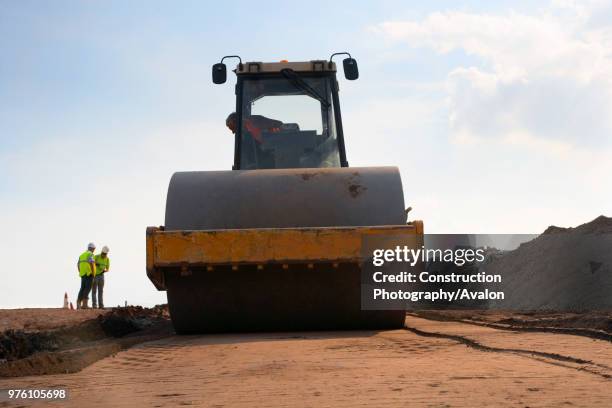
(584, 332)
(562, 360)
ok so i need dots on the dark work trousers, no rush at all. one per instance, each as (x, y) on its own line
(85, 288)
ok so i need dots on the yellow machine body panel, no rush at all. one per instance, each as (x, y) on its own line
(189, 250)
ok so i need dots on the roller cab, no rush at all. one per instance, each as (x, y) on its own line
(277, 242)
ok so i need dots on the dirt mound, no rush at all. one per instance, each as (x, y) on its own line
(600, 225)
(125, 320)
(564, 269)
(16, 344)
(553, 229)
(71, 348)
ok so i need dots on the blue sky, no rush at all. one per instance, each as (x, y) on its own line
(90, 62)
(497, 113)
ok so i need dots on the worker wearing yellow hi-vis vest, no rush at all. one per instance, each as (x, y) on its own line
(87, 270)
(102, 266)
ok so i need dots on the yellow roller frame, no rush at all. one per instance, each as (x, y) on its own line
(188, 249)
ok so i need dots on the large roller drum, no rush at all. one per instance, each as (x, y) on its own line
(325, 296)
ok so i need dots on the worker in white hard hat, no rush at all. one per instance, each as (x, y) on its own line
(102, 266)
(87, 270)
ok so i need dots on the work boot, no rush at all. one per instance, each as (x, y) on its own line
(85, 304)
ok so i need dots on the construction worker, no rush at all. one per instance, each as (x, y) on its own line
(254, 125)
(87, 270)
(102, 266)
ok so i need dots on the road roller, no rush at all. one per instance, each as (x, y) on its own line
(277, 242)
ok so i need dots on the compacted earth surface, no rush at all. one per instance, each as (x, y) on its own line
(440, 359)
(45, 319)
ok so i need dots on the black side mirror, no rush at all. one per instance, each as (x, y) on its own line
(219, 73)
(351, 72)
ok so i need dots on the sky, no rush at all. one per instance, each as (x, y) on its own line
(497, 113)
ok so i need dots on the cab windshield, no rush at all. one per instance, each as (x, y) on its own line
(288, 122)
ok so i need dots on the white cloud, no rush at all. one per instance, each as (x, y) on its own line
(546, 76)
(528, 114)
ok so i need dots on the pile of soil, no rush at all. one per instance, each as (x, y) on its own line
(70, 348)
(16, 344)
(564, 269)
(125, 320)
